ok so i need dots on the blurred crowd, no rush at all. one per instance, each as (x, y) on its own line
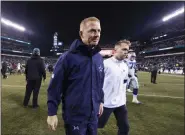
(50, 61)
(16, 65)
(165, 63)
(165, 44)
(14, 47)
(12, 59)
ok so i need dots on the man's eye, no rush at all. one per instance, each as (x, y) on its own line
(92, 30)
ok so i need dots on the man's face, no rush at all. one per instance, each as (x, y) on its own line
(90, 33)
(132, 58)
(122, 51)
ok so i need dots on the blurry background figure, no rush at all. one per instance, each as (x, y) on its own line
(19, 68)
(50, 68)
(4, 69)
(154, 73)
(35, 71)
(132, 76)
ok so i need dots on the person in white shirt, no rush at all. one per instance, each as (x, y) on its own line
(132, 80)
(19, 68)
(116, 75)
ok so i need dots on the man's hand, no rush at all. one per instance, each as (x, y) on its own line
(101, 109)
(52, 122)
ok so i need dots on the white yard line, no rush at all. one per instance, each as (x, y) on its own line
(145, 95)
(163, 83)
(19, 86)
(173, 75)
(13, 86)
(181, 76)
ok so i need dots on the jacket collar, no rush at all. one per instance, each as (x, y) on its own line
(79, 46)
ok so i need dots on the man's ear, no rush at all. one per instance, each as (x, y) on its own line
(80, 33)
(113, 51)
(115, 48)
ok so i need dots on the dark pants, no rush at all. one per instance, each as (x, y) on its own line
(153, 76)
(4, 74)
(81, 129)
(19, 72)
(121, 116)
(11, 71)
(32, 85)
(128, 86)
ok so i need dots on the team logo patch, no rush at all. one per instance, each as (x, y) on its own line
(100, 68)
(75, 128)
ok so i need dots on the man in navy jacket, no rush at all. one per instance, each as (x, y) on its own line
(78, 81)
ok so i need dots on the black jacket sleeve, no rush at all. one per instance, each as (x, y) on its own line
(26, 70)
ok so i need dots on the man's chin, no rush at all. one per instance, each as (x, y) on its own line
(94, 44)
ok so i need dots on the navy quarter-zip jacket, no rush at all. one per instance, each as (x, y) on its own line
(77, 81)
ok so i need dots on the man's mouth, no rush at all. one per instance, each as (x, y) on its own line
(95, 40)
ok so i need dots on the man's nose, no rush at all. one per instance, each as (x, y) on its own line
(97, 34)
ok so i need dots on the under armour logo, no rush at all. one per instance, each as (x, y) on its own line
(75, 128)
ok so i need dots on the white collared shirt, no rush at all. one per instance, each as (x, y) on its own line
(114, 86)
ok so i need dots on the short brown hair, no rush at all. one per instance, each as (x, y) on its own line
(84, 21)
(123, 41)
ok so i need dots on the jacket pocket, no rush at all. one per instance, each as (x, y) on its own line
(74, 106)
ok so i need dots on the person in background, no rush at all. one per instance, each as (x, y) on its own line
(4, 69)
(34, 71)
(132, 76)
(19, 68)
(50, 68)
(154, 73)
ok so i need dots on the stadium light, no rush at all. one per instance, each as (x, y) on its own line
(14, 25)
(176, 13)
(165, 48)
(58, 53)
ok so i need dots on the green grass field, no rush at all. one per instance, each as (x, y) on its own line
(162, 111)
